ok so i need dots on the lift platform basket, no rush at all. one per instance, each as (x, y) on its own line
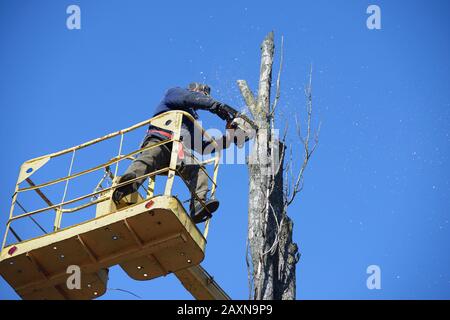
(148, 235)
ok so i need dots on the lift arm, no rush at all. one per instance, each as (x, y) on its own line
(201, 284)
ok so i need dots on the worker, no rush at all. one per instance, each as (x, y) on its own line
(195, 97)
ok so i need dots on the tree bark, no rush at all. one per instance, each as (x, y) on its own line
(258, 173)
(273, 253)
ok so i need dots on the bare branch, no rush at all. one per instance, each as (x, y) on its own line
(298, 185)
(248, 95)
(276, 239)
(277, 95)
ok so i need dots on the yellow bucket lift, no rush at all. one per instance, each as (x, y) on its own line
(151, 237)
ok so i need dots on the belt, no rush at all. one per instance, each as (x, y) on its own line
(169, 136)
(164, 133)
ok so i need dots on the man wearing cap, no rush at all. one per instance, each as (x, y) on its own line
(195, 97)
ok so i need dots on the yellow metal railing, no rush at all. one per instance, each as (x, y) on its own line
(171, 121)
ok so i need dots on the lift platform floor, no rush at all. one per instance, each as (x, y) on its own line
(148, 240)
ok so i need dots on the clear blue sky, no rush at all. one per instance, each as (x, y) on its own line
(377, 190)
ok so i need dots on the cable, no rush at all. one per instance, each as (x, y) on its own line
(15, 234)
(126, 291)
(32, 219)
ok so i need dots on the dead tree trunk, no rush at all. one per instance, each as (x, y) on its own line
(272, 254)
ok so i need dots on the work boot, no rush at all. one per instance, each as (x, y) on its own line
(201, 213)
(125, 190)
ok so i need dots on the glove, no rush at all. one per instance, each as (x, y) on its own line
(225, 112)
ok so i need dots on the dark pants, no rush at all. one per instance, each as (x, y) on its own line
(158, 158)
